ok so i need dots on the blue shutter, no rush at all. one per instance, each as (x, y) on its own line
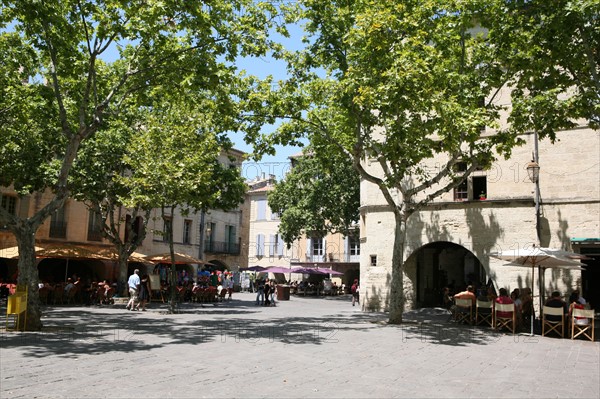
(346, 249)
(261, 209)
(260, 245)
(280, 245)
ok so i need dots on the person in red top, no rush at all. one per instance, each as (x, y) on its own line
(504, 299)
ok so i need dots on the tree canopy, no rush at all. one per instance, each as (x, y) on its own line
(70, 66)
(318, 195)
(395, 84)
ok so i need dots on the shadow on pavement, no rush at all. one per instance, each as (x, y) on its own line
(72, 331)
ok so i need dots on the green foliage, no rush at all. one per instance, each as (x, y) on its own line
(71, 68)
(552, 49)
(318, 195)
(398, 83)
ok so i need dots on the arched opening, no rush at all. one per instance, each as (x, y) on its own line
(216, 264)
(445, 264)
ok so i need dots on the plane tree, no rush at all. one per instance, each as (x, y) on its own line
(395, 84)
(70, 65)
(318, 195)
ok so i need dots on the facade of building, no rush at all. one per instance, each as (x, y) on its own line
(449, 242)
(213, 236)
(265, 245)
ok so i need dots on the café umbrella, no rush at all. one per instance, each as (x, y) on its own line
(541, 258)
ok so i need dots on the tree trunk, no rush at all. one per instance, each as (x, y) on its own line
(122, 287)
(28, 275)
(396, 298)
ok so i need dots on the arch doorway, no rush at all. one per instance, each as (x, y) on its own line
(216, 264)
(445, 264)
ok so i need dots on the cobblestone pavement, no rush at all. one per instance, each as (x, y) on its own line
(305, 347)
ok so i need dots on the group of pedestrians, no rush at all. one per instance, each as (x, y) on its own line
(139, 291)
(265, 292)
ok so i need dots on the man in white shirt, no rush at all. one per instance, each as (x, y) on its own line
(134, 288)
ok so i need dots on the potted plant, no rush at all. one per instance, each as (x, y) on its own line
(482, 196)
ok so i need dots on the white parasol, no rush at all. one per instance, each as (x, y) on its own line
(542, 258)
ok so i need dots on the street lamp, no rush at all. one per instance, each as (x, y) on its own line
(533, 171)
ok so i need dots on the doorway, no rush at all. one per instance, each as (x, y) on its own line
(445, 264)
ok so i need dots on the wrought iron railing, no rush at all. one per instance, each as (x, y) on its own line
(58, 229)
(222, 247)
(94, 234)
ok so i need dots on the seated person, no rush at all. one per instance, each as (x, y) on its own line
(467, 294)
(69, 285)
(504, 299)
(515, 295)
(526, 303)
(446, 298)
(555, 301)
(576, 297)
(576, 304)
(491, 294)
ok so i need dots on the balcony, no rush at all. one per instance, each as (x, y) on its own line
(222, 247)
(58, 229)
(333, 258)
(94, 234)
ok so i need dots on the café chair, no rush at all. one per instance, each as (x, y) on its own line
(582, 323)
(553, 325)
(483, 313)
(463, 311)
(509, 322)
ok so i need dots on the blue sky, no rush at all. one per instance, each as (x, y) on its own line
(277, 164)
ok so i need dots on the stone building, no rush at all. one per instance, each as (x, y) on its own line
(449, 241)
(214, 236)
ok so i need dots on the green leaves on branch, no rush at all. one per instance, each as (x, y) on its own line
(319, 195)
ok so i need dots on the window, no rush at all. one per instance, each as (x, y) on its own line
(168, 225)
(373, 260)
(230, 238)
(58, 225)
(210, 233)
(473, 187)
(354, 244)
(318, 247)
(261, 209)
(187, 231)
(138, 225)
(9, 204)
(94, 227)
(275, 245)
(479, 187)
(461, 192)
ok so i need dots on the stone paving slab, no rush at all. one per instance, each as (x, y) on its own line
(302, 348)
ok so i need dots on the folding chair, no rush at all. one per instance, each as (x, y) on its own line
(463, 311)
(582, 322)
(501, 321)
(483, 313)
(552, 325)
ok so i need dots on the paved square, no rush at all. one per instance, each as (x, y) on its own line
(305, 347)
